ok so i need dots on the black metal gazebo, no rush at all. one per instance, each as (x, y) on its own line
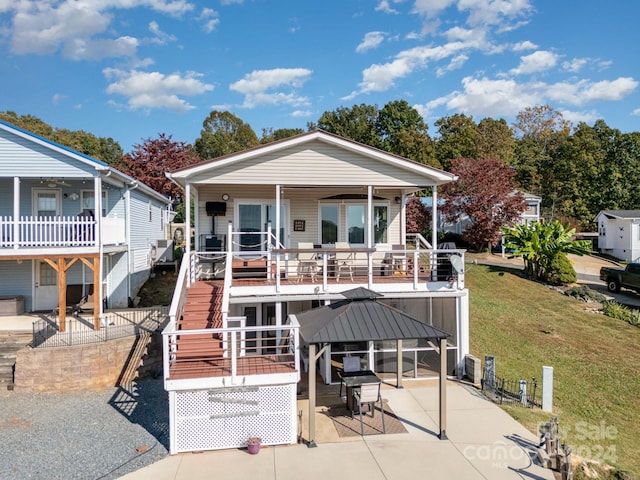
(358, 318)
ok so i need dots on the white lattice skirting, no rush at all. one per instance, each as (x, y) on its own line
(214, 419)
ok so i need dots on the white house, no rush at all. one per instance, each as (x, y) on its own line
(70, 223)
(280, 229)
(619, 233)
(530, 214)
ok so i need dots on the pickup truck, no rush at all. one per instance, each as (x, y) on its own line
(615, 278)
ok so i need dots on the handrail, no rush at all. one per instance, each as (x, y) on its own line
(177, 305)
(420, 241)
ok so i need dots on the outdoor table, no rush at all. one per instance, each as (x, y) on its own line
(356, 380)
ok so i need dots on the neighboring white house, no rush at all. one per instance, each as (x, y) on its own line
(280, 229)
(619, 233)
(69, 220)
(530, 214)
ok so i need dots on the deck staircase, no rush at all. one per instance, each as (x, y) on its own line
(9, 346)
(202, 310)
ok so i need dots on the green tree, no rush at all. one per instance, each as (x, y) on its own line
(540, 244)
(495, 140)
(542, 130)
(402, 131)
(270, 135)
(457, 138)
(222, 134)
(357, 123)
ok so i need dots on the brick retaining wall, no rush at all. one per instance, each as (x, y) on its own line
(83, 367)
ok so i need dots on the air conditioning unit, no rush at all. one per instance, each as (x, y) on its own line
(164, 251)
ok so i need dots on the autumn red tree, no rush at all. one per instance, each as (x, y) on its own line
(149, 161)
(485, 192)
(418, 216)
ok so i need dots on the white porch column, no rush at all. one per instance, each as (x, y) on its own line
(187, 233)
(443, 389)
(434, 217)
(312, 396)
(196, 221)
(187, 219)
(403, 220)
(16, 211)
(278, 219)
(97, 192)
(370, 234)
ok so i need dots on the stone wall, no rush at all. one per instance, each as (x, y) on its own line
(87, 367)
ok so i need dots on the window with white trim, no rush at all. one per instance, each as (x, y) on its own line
(88, 202)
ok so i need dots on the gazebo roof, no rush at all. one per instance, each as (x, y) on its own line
(360, 317)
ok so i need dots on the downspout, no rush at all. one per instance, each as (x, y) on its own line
(127, 228)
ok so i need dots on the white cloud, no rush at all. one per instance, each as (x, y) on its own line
(210, 18)
(576, 117)
(301, 113)
(231, 2)
(506, 97)
(57, 98)
(371, 40)
(536, 62)
(456, 62)
(485, 12)
(160, 37)
(148, 90)
(80, 29)
(636, 112)
(575, 64)
(385, 6)
(378, 78)
(584, 91)
(526, 45)
(255, 85)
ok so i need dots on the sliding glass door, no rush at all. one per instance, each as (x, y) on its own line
(253, 221)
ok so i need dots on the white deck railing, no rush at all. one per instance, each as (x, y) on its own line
(59, 231)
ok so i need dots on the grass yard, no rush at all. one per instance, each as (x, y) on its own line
(596, 359)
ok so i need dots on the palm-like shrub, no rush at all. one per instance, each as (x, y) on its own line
(540, 244)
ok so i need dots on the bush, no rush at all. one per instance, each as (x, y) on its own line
(615, 310)
(585, 294)
(561, 271)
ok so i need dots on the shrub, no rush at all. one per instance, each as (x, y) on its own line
(561, 271)
(615, 310)
(585, 294)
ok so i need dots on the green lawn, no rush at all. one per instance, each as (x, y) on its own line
(596, 361)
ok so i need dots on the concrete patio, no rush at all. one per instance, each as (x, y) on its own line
(483, 443)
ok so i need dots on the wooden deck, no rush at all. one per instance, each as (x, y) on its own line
(202, 355)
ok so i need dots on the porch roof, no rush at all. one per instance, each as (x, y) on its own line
(360, 317)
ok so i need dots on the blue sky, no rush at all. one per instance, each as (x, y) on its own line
(131, 69)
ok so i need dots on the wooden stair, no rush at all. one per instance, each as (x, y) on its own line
(249, 268)
(203, 309)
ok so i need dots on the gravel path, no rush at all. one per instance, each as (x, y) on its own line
(86, 435)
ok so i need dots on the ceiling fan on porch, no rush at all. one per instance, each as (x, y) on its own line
(54, 182)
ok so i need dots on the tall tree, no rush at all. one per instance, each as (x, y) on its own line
(457, 138)
(357, 123)
(150, 160)
(485, 193)
(542, 130)
(402, 131)
(270, 135)
(223, 133)
(495, 140)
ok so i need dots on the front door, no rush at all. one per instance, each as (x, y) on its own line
(46, 287)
